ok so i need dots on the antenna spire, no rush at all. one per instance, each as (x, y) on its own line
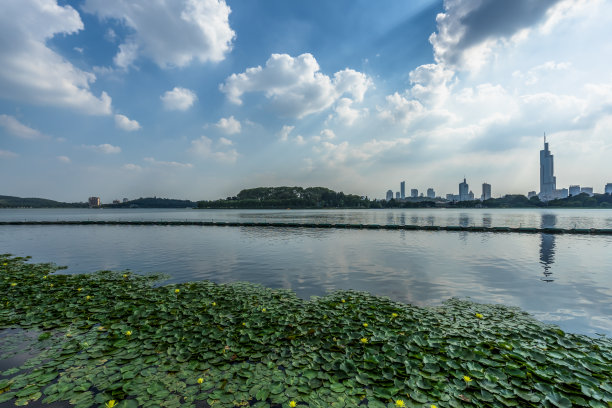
(544, 137)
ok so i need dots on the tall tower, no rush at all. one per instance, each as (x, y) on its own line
(464, 188)
(403, 190)
(548, 182)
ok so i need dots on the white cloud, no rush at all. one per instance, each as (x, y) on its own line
(103, 148)
(328, 134)
(346, 113)
(229, 125)
(295, 86)
(33, 73)
(178, 99)
(16, 128)
(7, 154)
(64, 159)
(125, 123)
(401, 110)
(202, 147)
(132, 167)
(167, 163)
(285, 132)
(171, 33)
(299, 139)
(225, 142)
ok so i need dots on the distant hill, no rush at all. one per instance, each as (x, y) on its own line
(154, 202)
(18, 202)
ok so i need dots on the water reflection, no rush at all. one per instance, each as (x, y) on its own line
(547, 246)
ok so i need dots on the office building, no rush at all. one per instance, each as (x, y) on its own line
(561, 193)
(531, 194)
(608, 189)
(403, 190)
(431, 193)
(389, 195)
(397, 195)
(414, 193)
(94, 201)
(548, 181)
(470, 196)
(574, 190)
(588, 190)
(464, 189)
(486, 191)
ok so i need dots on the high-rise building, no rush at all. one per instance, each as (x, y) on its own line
(389, 195)
(431, 193)
(397, 195)
(574, 190)
(94, 201)
(403, 190)
(486, 191)
(561, 193)
(464, 189)
(414, 193)
(588, 190)
(531, 194)
(608, 189)
(548, 181)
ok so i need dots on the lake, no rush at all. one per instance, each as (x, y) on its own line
(561, 279)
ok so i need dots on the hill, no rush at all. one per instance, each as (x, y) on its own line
(19, 202)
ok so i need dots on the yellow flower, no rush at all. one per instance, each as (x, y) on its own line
(200, 380)
(110, 404)
(292, 404)
(363, 340)
(51, 285)
(177, 290)
(101, 328)
(467, 379)
(124, 275)
(365, 325)
(87, 297)
(433, 406)
(243, 323)
(13, 284)
(343, 301)
(394, 315)
(4, 264)
(263, 310)
(400, 403)
(214, 303)
(45, 277)
(128, 333)
(79, 289)
(478, 315)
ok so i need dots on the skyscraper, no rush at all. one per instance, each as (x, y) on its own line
(608, 189)
(414, 193)
(574, 190)
(486, 191)
(548, 181)
(431, 193)
(464, 191)
(389, 195)
(403, 190)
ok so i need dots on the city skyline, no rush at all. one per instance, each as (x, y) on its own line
(341, 94)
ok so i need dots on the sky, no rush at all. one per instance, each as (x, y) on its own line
(198, 99)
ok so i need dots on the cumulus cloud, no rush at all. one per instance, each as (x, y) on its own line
(103, 148)
(346, 113)
(468, 30)
(229, 125)
(169, 32)
(295, 86)
(16, 128)
(125, 123)
(33, 73)
(284, 133)
(132, 167)
(225, 142)
(203, 147)
(166, 163)
(64, 159)
(178, 99)
(7, 154)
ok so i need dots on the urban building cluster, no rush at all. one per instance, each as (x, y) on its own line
(548, 186)
(95, 201)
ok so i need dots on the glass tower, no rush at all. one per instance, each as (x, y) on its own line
(548, 182)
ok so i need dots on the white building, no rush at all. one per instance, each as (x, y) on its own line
(574, 190)
(588, 190)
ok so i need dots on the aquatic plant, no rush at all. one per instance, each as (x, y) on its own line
(136, 343)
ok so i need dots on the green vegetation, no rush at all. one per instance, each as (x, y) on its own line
(582, 200)
(113, 336)
(153, 202)
(18, 202)
(289, 197)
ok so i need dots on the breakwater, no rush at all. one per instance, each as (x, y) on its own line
(186, 223)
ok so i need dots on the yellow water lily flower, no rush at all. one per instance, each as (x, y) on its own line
(125, 275)
(400, 403)
(478, 315)
(45, 277)
(214, 303)
(394, 315)
(101, 328)
(51, 285)
(79, 289)
(128, 333)
(110, 404)
(13, 284)
(363, 340)
(467, 379)
(200, 380)
(433, 406)
(365, 325)
(243, 323)
(4, 264)
(343, 301)
(263, 310)
(292, 404)
(87, 297)
(177, 290)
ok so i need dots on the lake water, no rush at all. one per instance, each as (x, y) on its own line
(561, 279)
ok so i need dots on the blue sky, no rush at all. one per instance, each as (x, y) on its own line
(199, 99)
